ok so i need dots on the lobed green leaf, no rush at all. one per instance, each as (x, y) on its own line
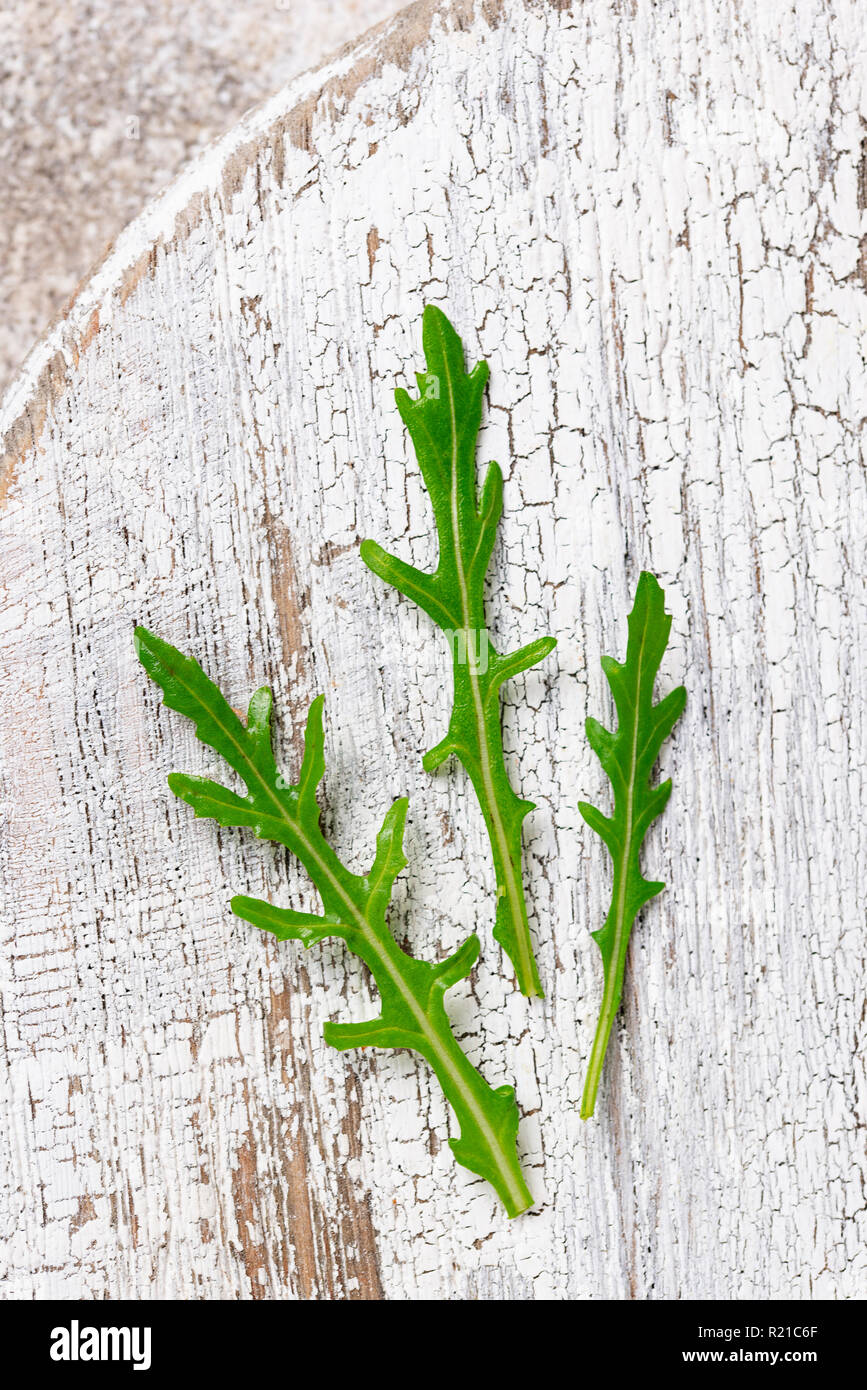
(443, 423)
(628, 757)
(354, 907)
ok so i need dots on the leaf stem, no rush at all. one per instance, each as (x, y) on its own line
(607, 1014)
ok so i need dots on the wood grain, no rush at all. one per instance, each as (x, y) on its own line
(651, 220)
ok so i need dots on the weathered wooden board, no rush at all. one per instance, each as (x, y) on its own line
(650, 219)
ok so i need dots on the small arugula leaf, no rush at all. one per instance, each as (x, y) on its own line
(627, 758)
(354, 907)
(444, 424)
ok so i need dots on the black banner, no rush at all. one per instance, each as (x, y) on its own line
(257, 1339)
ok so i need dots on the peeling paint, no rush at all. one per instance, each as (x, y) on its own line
(649, 221)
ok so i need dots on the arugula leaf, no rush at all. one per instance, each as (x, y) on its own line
(444, 425)
(354, 907)
(628, 758)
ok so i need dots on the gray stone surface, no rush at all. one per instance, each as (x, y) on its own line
(101, 104)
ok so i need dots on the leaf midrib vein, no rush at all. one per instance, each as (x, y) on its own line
(512, 888)
(611, 975)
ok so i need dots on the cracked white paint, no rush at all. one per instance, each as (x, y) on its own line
(649, 218)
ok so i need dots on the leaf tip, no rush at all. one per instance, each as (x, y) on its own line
(434, 317)
(435, 757)
(649, 584)
(259, 707)
(479, 375)
(143, 642)
(378, 561)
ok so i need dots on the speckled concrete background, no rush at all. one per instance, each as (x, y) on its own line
(101, 104)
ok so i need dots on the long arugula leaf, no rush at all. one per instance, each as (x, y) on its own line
(444, 424)
(413, 1014)
(628, 758)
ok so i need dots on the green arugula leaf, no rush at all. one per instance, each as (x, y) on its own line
(628, 758)
(354, 907)
(444, 425)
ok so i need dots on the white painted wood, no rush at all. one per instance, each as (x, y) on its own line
(650, 219)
